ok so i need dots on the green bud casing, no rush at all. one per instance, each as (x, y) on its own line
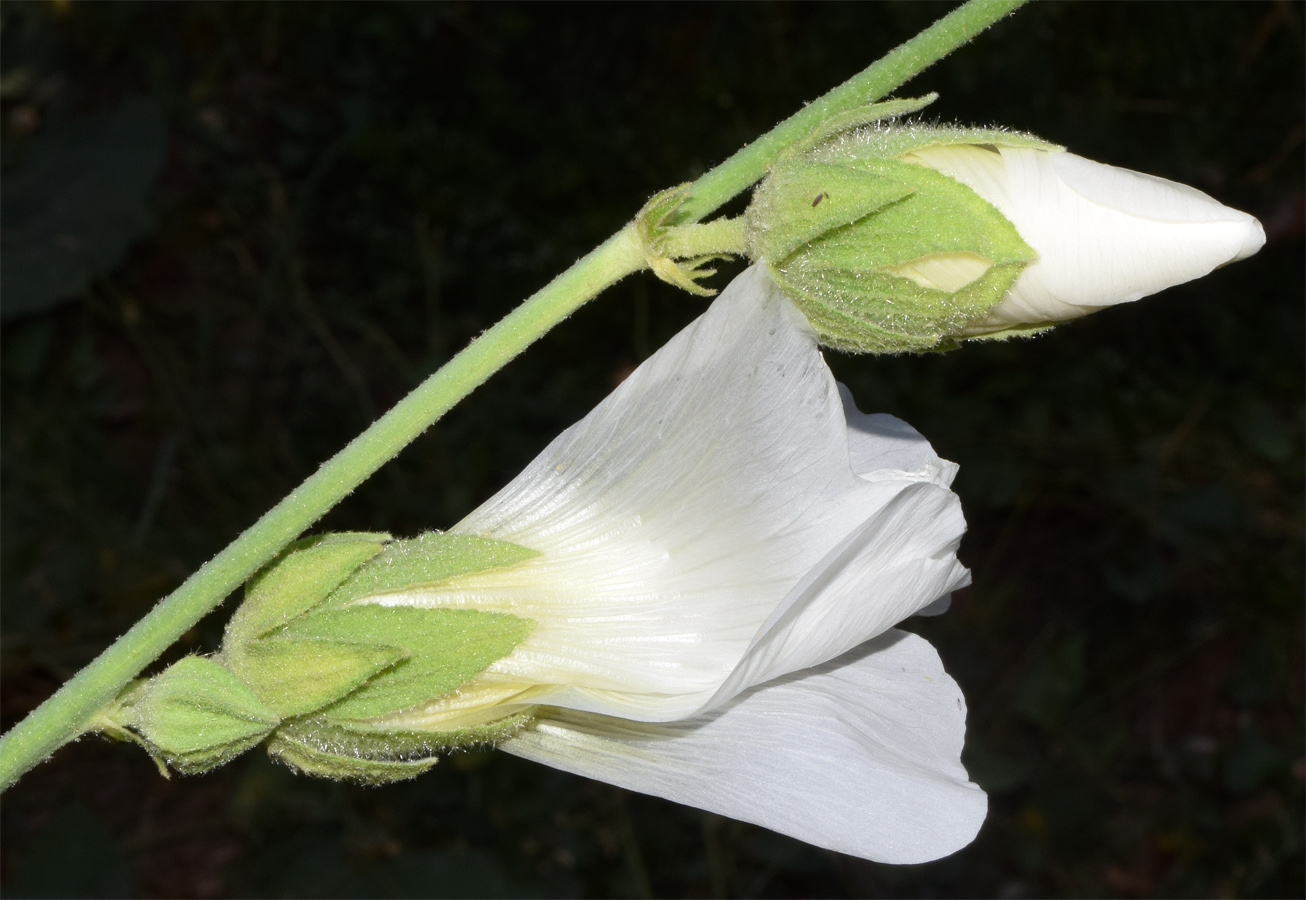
(882, 254)
(442, 649)
(297, 676)
(195, 715)
(315, 652)
(369, 754)
(302, 756)
(299, 579)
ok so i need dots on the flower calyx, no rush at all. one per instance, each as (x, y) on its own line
(883, 254)
(313, 659)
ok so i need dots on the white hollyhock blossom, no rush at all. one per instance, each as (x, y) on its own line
(1103, 235)
(725, 545)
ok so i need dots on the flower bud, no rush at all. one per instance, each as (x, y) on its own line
(904, 237)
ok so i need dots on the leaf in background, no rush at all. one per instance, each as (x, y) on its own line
(76, 202)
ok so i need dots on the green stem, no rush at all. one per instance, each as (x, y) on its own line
(899, 65)
(67, 714)
(709, 239)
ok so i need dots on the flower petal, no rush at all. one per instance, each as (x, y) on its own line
(880, 443)
(1104, 235)
(861, 756)
(675, 518)
(896, 564)
(938, 607)
(883, 446)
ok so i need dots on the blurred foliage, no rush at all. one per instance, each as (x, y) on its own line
(350, 192)
(74, 201)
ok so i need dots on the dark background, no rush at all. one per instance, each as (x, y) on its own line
(343, 195)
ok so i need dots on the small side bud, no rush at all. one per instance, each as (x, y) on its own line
(893, 236)
(844, 222)
(663, 243)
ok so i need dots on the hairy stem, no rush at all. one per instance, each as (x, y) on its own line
(709, 239)
(897, 66)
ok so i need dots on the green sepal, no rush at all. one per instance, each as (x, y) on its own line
(846, 279)
(296, 675)
(305, 758)
(363, 739)
(196, 715)
(426, 560)
(984, 292)
(940, 216)
(305, 573)
(895, 142)
(802, 201)
(875, 312)
(316, 649)
(849, 312)
(1014, 331)
(446, 648)
(859, 117)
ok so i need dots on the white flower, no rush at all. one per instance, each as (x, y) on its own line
(725, 544)
(1103, 235)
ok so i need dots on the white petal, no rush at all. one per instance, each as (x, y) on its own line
(943, 271)
(1103, 235)
(978, 167)
(677, 516)
(938, 607)
(883, 446)
(893, 566)
(1106, 235)
(861, 756)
